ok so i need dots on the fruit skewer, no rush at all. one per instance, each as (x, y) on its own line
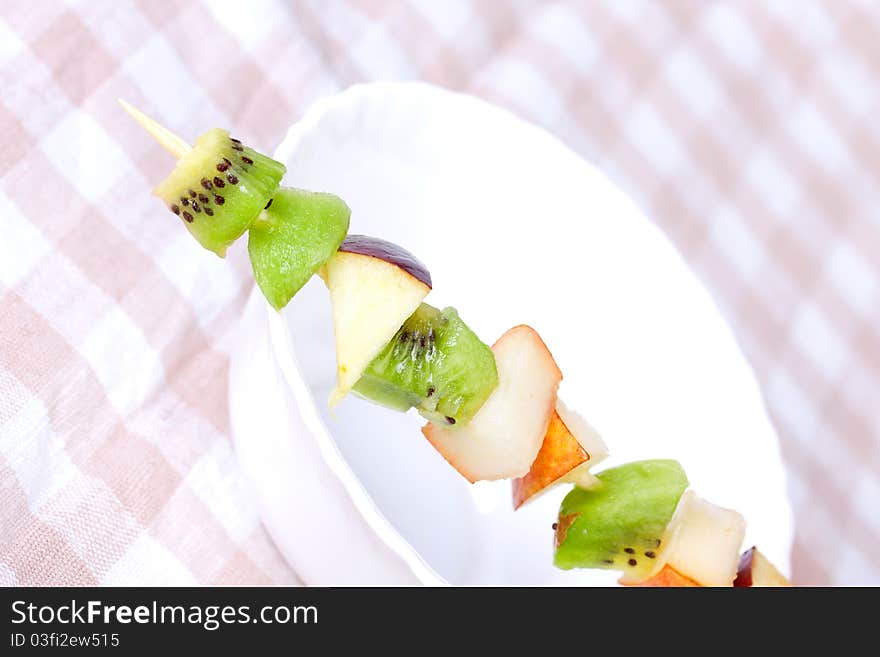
(391, 348)
(492, 413)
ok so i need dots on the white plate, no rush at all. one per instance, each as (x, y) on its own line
(515, 228)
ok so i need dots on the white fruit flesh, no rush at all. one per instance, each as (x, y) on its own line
(581, 476)
(765, 573)
(590, 440)
(503, 438)
(371, 298)
(702, 542)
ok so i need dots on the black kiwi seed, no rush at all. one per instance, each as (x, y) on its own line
(657, 542)
(219, 200)
(228, 163)
(237, 141)
(219, 182)
(650, 554)
(188, 216)
(192, 194)
(607, 560)
(246, 159)
(232, 178)
(209, 212)
(175, 209)
(629, 550)
(632, 562)
(554, 526)
(237, 147)
(451, 420)
(222, 166)
(196, 207)
(203, 198)
(269, 204)
(184, 201)
(404, 336)
(206, 183)
(431, 390)
(422, 341)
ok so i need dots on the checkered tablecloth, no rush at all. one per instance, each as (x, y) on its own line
(747, 130)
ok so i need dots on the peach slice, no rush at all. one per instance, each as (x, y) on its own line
(571, 446)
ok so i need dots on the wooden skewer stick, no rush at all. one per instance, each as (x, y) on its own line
(168, 140)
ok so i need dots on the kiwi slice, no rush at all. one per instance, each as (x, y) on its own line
(619, 524)
(295, 235)
(434, 363)
(219, 188)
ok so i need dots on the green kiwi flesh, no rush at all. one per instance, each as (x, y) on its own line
(619, 524)
(293, 238)
(219, 188)
(434, 363)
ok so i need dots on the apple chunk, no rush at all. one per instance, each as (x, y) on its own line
(504, 437)
(374, 287)
(756, 570)
(701, 542)
(388, 252)
(571, 446)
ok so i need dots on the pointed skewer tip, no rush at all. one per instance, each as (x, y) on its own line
(167, 139)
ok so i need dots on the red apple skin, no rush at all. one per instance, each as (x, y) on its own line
(560, 454)
(668, 577)
(389, 252)
(744, 570)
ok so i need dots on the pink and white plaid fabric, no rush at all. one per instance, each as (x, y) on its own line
(747, 130)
